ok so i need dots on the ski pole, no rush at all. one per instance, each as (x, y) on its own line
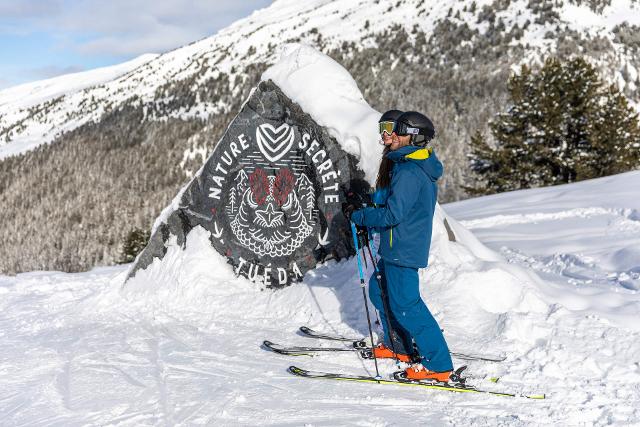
(385, 302)
(364, 295)
(371, 242)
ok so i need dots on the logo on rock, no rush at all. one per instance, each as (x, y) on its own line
(274, 143)
(273, 197)
(270, 219)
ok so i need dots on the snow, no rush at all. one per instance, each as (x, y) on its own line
(183, 348)
(547, 277)
(590, 240)
(616, 13)
(20, 103)
(29, 94)
(334, 101)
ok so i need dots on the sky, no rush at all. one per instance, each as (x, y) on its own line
(40, 39)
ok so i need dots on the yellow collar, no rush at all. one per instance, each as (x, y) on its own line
(421, 154)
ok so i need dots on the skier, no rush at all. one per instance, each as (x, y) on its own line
(405, 198)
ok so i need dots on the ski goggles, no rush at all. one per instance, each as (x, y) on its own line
(400, 128)
(403, 129)
(386, 127)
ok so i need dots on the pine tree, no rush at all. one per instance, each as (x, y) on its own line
(486, 164)
(564, 125)
(232, 201)
(603, 157)
(133, 244)
(305, 191)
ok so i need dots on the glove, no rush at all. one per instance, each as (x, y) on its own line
(348, 209)
(354, 201)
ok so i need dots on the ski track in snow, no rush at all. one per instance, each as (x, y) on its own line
(630, 218)
(578, 269)
(181, 345)
(76, 352)
(585, 246)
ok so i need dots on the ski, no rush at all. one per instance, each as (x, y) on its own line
(364, 353)
(313, 334)
(304, 351)
(458, 387)
(359, 343)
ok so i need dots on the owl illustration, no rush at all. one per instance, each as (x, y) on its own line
(269, 218)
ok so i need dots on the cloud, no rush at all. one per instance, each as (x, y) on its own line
(12, 9)
(126, 27)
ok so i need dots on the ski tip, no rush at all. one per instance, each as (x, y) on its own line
(304, 330)
(537, 396)
(295, 370)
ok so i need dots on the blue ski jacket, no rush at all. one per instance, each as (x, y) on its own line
(406, 220)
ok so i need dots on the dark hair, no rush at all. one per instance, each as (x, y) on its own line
(384, 172)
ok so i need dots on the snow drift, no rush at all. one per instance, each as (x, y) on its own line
(469, 287)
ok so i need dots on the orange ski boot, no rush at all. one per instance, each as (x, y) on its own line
(419, 372)
(381, 351)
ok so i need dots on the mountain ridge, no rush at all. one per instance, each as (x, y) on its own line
(248, 37)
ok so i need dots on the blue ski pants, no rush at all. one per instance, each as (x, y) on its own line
(409, 316)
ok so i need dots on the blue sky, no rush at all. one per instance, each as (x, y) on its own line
(45, 38)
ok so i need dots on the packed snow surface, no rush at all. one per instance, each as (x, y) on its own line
(183, 348)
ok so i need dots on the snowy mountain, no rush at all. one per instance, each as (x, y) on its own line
(329, 24)
(19, 103)
(185, 350)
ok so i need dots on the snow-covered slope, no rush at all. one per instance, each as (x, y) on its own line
(323, 23)
(29, 94)
(74, 350)
(18, 103)
(605, 252)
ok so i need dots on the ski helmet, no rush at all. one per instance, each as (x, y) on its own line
(390, 116)
(417, 125)
(387, 121)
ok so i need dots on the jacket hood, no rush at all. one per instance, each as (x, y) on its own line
(424, 157)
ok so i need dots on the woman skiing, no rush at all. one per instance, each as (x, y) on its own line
(405, 198)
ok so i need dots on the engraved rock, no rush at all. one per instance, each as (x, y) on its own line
(270, 194)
